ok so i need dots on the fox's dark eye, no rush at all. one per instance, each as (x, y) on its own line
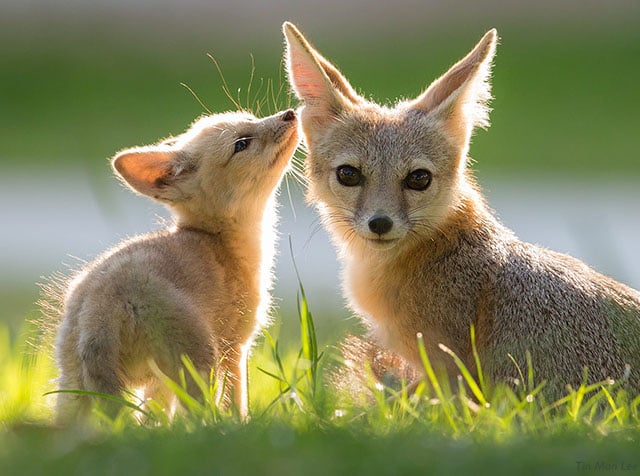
(348, 176)
(241, 144)
(418, 180)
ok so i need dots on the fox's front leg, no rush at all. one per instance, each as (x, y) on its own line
(234, 368)
(241, 391)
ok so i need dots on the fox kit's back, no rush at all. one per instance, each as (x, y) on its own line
(421, 251)
(199, 289)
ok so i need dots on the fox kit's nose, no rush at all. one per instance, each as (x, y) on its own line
(380, 224)
(288, 115)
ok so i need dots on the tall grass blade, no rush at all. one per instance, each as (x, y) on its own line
(433, 380)
(178, 389)
(308, 338)
(473, 386)
(476, 358)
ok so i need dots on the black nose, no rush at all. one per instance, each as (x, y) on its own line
(288, 115)
(380, 224)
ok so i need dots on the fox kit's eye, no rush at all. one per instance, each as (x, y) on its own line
(418, 180)
(348, 176)
(241, 144)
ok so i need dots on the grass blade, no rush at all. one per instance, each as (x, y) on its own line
(476, 358)
(103, 396)
(431, 375)
(473, 386)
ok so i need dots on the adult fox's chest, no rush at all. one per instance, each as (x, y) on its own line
(399, 302)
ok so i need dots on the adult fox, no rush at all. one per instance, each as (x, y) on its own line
(421, 251)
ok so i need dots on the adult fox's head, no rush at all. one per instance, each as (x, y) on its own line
(382, 176)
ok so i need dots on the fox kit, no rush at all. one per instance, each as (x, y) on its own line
(421, 251)
(200, 289)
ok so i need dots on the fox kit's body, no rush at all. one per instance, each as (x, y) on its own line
(422, 253)
(200, 289)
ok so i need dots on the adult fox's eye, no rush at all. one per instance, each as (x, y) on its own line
(348, 176)
(241, 144)
(418, 180)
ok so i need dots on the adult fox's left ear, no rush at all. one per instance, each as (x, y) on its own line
(324, 90)
(459, 97)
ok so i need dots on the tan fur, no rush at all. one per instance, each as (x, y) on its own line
(446, 262)
(200, 288)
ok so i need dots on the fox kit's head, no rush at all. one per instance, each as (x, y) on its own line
(382, 175)
(225, 166)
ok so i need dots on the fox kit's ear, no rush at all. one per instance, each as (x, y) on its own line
(459, 97)
(149, 171)
(315, 80)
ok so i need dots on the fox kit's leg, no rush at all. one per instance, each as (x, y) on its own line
(178, 332)
(88, 351)
(99, 355)
(69, 407)
(88, 361)
(99, 349)
(233, 372)
(240, 382)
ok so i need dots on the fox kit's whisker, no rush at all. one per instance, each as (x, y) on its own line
(315, 229)
(198, 289)
(422, 253)
(297, 173)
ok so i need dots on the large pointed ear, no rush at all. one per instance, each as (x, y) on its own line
(314, 79)
(151, 171)
(459, 97)
(338, 80)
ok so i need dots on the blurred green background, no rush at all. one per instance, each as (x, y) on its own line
(80, 80)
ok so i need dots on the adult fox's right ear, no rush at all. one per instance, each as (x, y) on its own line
(324, 90)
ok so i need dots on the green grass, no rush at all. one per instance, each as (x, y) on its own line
(300, 424)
